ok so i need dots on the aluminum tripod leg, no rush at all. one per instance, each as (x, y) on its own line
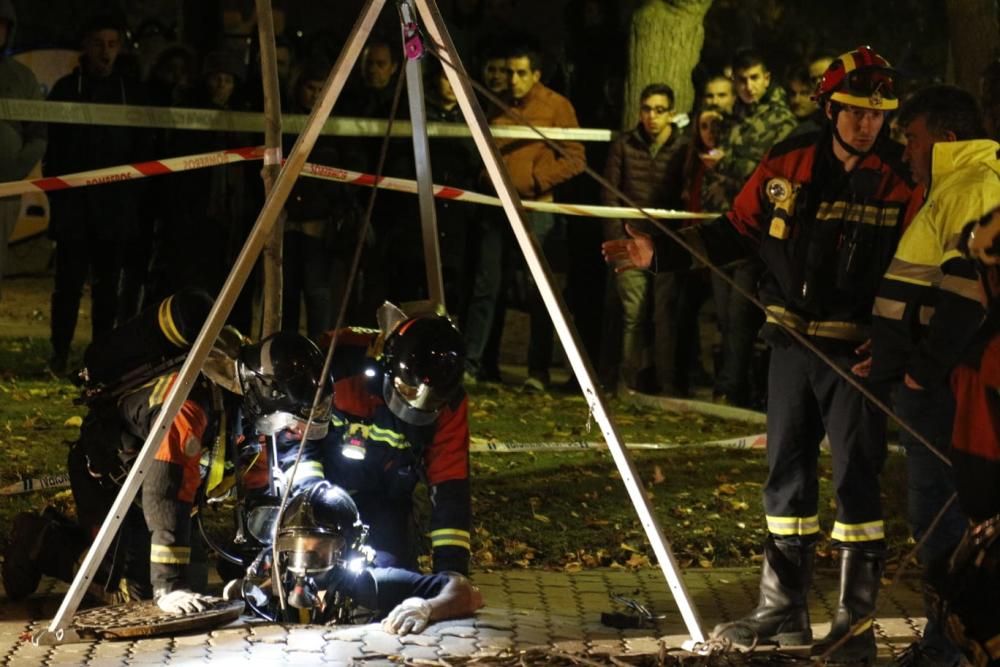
(435, 27)
(422, 154)
(59, 629)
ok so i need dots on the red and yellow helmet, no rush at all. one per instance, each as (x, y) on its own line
(861, 78)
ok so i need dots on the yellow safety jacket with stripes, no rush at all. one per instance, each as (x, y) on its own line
(927, 309)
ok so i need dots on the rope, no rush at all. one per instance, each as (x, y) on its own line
(434, 49)
(341, 314)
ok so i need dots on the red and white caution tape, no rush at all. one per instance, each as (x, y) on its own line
(202, 160)
(131, 171)
(457, 194)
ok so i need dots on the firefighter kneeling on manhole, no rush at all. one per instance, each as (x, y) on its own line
(128, 376)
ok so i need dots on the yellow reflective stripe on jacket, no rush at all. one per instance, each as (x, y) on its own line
(309, 470)
(373, 432)
(824, 329)
(867, 214)
(388, 436)
(793, 525)
(168, 326)
(159, 553)
(890, 309)
(217, 462)
(858, 532)
(923, 274)
(450, 537)
(963, 287)
(160, 390)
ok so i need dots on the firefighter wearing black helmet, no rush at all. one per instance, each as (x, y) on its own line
(325, 572)
(399, 417)
(152, 557)
(824, 211)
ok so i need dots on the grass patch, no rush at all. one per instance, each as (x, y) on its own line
(566, 510)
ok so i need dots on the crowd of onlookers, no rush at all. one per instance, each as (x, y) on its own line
(136, 242)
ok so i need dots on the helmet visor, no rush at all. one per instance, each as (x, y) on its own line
(311, 553)
(261, 522)
(414, 404)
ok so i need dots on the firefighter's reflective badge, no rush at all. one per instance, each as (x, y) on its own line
(876, 98)
(145, 619)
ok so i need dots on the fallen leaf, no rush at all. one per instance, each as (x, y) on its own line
(637, 560)
(658, 477)
(75, 421)
(726, 489)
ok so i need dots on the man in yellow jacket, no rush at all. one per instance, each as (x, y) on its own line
(927, 312)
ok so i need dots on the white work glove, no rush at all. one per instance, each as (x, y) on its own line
(183, 602)
(410, 615)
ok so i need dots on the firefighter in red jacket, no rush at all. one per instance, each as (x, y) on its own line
(972, 618)
(399, 417)
(824, 211)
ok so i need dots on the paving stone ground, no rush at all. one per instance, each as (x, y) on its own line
(524, 609)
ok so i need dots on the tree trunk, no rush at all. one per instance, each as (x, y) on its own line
(972, 29)
(272, 255)
(664, 45)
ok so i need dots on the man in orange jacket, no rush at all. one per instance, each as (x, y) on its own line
(536, 170)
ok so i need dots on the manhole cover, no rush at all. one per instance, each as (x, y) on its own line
(145, 619)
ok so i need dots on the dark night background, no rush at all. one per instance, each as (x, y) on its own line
(912, 33)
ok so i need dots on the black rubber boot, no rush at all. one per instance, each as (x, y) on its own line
(860, 574)
(782, 613)
(21, 571)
